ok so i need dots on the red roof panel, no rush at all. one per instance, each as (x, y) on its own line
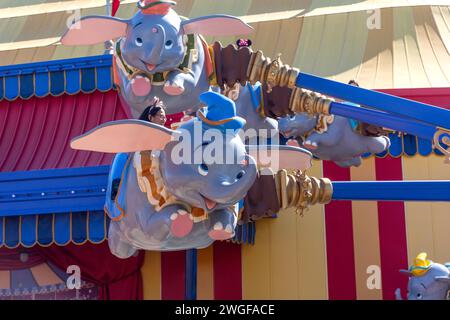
(35, 133)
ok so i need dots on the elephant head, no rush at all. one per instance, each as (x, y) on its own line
(158, 53)
(428, 280)
(205, 161)
(296, 125)
(153, 40)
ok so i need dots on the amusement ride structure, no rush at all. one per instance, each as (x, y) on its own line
(81, 166)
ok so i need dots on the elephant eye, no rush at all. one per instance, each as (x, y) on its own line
(419, 296)
(138, 42)
(240, 174)
(169, 44)
(203, 169)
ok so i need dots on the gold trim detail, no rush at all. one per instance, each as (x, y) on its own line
(301, 191)
(323, 121)
(310, 102)
(445, 134)
(150, 181)
(212, 122)
(232, 92)
(273, 73)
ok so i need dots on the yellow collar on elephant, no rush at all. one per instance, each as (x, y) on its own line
(159, 78)
(150, 181)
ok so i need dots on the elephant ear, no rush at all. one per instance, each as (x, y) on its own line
(124, 136)
(279, 157)
(216, 25)
(94, 29)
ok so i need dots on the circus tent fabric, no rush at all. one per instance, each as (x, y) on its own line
(336, 39)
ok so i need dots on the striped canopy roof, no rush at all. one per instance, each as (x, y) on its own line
(327, 38)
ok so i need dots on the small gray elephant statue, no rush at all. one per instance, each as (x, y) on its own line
(331, 138)
(158, 53)
(428, 280)
(183, 193)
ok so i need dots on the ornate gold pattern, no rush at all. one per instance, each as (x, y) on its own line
(310, 102)
(442, 136)
(273, 73)
(323, 121)
(232, 92)
(300, 191)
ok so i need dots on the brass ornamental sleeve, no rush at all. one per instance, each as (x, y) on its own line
(301, 191)
(273, 73)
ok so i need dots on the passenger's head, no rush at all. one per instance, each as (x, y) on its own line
(155, 113)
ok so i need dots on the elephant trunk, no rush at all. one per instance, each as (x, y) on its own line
(156, 52)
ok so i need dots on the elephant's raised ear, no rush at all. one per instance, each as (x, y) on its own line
(124, 136)
(216, 25)
(279, 157)
(94, 29)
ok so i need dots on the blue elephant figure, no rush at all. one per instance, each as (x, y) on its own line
(428, 280)
(183, 193)
(331, 138)
(158, 53)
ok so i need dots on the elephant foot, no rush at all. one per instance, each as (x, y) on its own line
(219, 233)
(292, 143)
(173, 89)
(141, 86)
(182, 223)
(310, 145)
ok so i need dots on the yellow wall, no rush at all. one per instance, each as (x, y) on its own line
(151, 275)
(366, 240)
(288, 260)
(427, 224)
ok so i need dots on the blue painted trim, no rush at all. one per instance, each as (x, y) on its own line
(51, 191)
(57, 77)
(57, 65)
(396, 147)
(381, 101)
(61, 229)
(392, 190)
(191, 275)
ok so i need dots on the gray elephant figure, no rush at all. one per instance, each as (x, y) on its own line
(182, 194)
(428, 280)
(258, 127)
(331, 138)
(158, 53)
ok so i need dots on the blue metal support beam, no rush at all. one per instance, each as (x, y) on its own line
(383, 119)
(392, 190)
(426, 113)
(191, 275)
(53, 191)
